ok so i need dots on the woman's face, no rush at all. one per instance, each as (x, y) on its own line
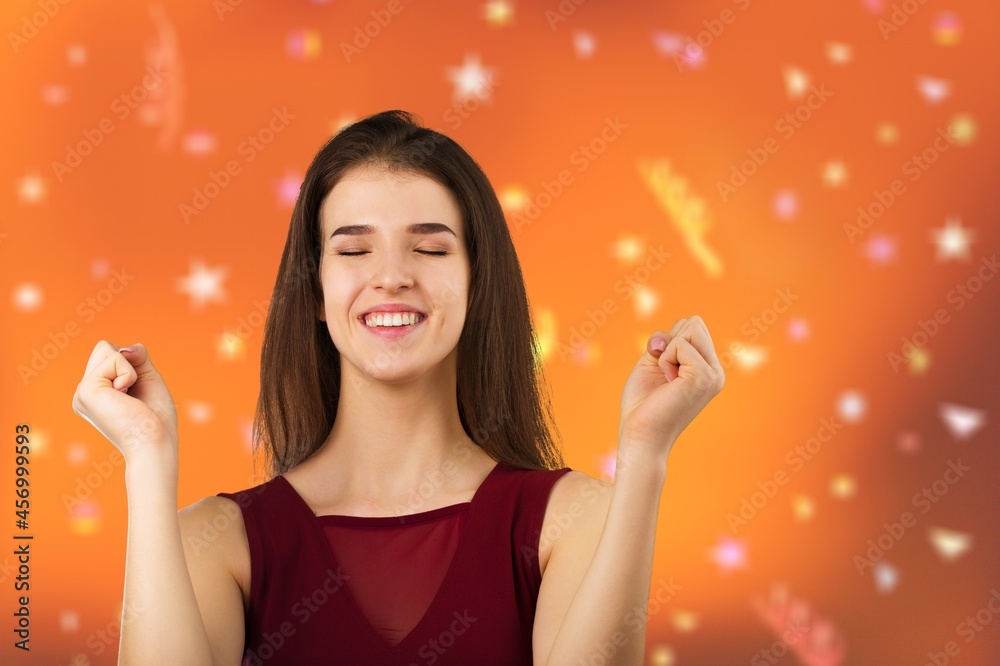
(393, 238)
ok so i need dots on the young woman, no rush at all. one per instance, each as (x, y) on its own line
(417, 510)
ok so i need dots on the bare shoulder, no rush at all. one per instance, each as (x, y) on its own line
(213, 527)
(577, 509)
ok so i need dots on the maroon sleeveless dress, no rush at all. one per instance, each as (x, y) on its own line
(452, 585)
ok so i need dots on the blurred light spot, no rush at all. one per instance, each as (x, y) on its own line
(498, 13)
(843, 486)
(918, 360)
(100, 269)
(28, 297)
(646, 301)
(662, 655)
(584, 44)
(31, 189)
(54, 94)
(77, 454)
(684, 621)
(834, 174)
(881, 249)
(796, 82)
(628, 249)
(803, 508)
(886, 577)
(749, 357)
(949, 544)
(69, 621)
(303, 44)
(851, 406)
(946, 29)
(729, 554)
(199, 412)
(76, 55)
(798, 329)
(839, 53)
(908, 441)
(84, 518)
(933, 90)
(471, 79)
(963, 128)
(230, 346)
(199, 142)
(288, 189)
(513, 198)
(785, 204)
(962, 422)
(953, 240)
(886, 133)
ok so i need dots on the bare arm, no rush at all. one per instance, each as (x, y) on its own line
(595, 589)
(161, 622)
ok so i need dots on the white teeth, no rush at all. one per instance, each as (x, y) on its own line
(392, 319)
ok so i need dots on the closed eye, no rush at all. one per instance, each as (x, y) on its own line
(436, 253)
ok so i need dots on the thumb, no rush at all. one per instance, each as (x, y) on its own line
(655, 346)
(138, 357)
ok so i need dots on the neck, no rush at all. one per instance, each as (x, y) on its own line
(392, 442)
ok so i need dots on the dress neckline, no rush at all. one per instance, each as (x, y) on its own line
(446, 583)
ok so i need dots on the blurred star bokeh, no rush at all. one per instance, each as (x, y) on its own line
(816, 180)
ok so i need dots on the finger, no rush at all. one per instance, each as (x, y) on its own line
(702, 341)
(680, 352)
(102, 351)
(665, 337)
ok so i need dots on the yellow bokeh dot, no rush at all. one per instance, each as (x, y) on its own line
(963, 128)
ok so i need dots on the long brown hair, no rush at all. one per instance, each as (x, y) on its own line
(501, 401)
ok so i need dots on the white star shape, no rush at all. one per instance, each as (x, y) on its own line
(952, 240)
(203, 284)
(471, 79)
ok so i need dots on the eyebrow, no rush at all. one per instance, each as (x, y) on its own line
(421, 228)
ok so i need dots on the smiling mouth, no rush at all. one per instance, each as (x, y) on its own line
(390, 321)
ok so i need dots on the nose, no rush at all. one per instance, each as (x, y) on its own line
(392, 270)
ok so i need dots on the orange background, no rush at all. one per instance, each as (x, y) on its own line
(61, 238)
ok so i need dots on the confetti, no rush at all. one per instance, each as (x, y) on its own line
(684, 621)
(815, 640)
(28, 297)
(688, 212)
(881, 249)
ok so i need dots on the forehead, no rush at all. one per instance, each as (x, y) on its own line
(388, 201)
